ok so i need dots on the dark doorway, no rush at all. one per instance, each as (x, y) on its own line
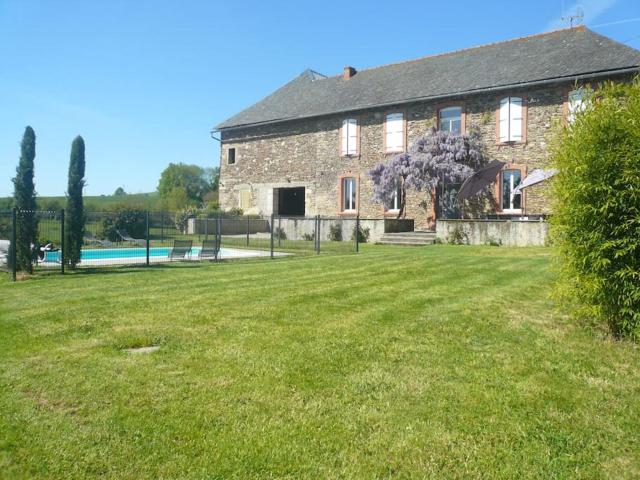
(291, 201)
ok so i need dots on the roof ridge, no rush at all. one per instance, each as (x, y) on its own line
(484, 45)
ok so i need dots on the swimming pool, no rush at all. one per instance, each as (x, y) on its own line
(112, 256)
(111, 253)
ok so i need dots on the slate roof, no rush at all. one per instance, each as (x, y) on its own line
(561, 54)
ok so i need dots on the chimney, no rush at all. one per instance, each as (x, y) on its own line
(348, 73)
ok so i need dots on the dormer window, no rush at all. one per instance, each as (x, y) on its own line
(394, 132)
(349, 134)
(511, 120)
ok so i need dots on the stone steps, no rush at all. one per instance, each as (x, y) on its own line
(417, 238)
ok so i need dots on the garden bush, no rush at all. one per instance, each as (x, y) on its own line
(335, 232)
(458, 236)
(596, 221)
(181, 218)
(279, 233)
(363, 234)
(124, 217)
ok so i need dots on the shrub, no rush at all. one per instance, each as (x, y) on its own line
(5, 226)
(596, 221)
(232, 212)
(124, 217)
(309, 237)
(279, 234)
(181, 218)
(363, 234)
(458, 236)
(335, 232)
(493, 241)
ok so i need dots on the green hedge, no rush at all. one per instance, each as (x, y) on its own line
(596, 222)
(130, 219)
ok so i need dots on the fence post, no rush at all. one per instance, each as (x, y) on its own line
(148, 240)
(279, 231)
(357, 234)
(248, 229)
(272, 220)
(219, 234)
(319, 233)
(14, 249)
(62, 241)
(206, 226)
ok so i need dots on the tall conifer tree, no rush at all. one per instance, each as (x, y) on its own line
(25, 201)
(74, 215)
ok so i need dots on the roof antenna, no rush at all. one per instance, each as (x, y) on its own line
(576, 18)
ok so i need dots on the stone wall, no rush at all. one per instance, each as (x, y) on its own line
(510, 233)
(305, 153)
(295, 228)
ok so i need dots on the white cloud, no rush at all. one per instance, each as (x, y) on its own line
(592, 9)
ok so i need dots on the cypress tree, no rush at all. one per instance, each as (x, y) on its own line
(25, 200)
(74, 215)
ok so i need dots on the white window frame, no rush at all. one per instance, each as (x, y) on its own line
(511, 120)
(349, 138)
(512, 186)
(350, 185)
(445, 109)
(394, 132)
(575, 106)
(395, 203)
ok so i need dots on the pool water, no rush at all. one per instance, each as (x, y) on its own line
(113, 253)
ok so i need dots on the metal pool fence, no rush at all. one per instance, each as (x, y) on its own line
(134, 237)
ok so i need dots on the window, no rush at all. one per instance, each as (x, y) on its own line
(510, 179)
(450, 120)
(349, 137)
(394, 206)
(231, 156)
(394, 132)
(349, 194)
(575, 104)
(511, 120)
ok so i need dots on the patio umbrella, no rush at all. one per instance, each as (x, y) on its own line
(537, 176)
(480, 179)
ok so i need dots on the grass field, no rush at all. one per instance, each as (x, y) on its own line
(435, 362)
(93, 203)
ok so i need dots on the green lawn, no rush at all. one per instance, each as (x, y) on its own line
(441, 362)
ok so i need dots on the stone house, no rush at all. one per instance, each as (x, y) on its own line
(306, 148)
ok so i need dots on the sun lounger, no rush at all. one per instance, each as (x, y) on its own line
(128, 238)
(180, 249)
(4, 251)
(91, 238)
(209, 250)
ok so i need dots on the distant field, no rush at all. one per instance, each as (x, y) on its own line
(95, 202)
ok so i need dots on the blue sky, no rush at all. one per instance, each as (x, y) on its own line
(145, 81)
